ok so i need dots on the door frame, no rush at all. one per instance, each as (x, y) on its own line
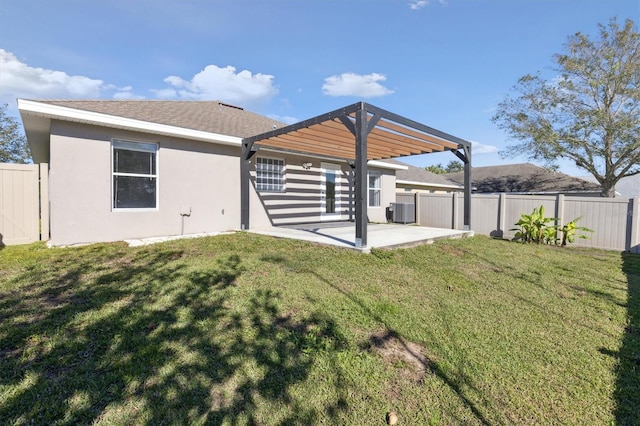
(337, 170)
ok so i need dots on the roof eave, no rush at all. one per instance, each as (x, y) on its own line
(37, 115)
(384, 165)
(434, 185)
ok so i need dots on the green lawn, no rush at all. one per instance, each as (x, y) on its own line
(245, 329)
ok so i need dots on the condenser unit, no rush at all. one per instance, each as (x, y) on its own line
(404, 212)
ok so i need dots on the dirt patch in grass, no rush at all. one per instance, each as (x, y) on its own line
(394, 350)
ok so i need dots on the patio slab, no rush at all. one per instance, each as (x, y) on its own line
(378, 235)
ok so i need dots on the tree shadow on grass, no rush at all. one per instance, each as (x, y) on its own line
(147, 337)
(627, 392)
(456, 379)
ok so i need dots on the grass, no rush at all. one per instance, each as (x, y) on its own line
(245, 329)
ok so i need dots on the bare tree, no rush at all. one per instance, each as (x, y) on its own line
(589, 114)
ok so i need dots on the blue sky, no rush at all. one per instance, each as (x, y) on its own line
(443, 63)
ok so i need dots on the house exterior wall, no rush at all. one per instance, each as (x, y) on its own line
(388, 196)
(199, 177)
(301, 201)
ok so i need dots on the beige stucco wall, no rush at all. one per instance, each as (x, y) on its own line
(388, 196)
(199, 177)
(301, 201)
(196, 176)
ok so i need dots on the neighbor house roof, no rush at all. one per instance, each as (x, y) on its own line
(419, 177)
(210, 121)
(523, 178)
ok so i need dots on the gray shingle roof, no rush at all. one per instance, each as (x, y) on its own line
(524, 177)
(207, 116)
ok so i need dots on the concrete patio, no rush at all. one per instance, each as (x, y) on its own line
(342, 234)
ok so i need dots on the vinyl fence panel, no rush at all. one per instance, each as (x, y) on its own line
(608, 217)
(616, 222)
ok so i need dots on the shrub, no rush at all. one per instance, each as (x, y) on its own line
(536, 228)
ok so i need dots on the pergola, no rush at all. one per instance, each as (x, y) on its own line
(357, 133)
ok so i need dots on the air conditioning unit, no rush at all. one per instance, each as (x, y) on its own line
(404, 212)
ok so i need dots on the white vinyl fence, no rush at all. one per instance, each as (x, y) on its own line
(24, 203)
(616, 222)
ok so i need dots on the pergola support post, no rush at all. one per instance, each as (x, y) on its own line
(360, 180)
(467, 188)
(465, 156)
(245, 177)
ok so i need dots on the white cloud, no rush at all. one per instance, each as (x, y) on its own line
(350, 84)
(18, 79)
(419, 4)
(221, 84)
(415, 5)
(478, 148)
(126, 95)
(283, 118)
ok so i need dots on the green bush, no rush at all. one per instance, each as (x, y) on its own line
(536, 228)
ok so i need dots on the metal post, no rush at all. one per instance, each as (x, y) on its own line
(634, 241)
(361, 178)
(467, 188)
(350, 178)
(244, 187)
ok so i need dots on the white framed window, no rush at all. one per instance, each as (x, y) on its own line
(270, 174)
(134, 175)
(375, 188)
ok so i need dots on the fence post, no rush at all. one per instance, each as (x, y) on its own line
(454, 209)
(634, 242)
(502, 214)
(560, 209)
(416, 202)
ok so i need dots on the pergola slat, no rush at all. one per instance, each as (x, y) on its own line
(396, 147)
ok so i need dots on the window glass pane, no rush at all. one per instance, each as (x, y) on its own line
(139, 162)
(374, 198)
(330, 191)
(270, 175)
(374, 189)
(134, 192)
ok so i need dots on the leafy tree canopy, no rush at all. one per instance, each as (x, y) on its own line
(13, 143)
(452, 167)
(589, 113)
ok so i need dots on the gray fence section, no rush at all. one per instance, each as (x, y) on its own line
(24, 203)
(616, 222)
